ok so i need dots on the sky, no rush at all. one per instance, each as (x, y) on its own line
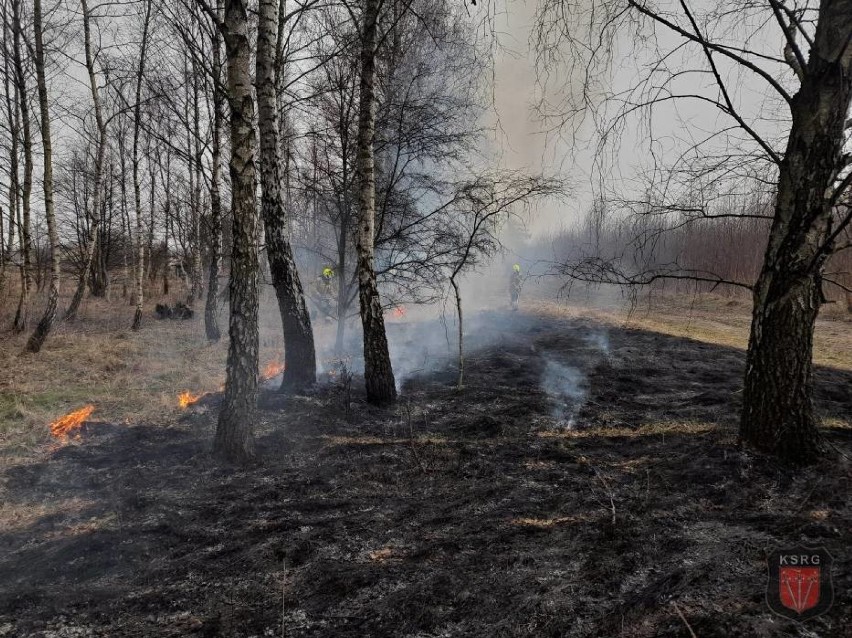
(520, 139)
(645, 144)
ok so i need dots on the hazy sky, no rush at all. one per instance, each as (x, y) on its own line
(647, 142)
(520, 139)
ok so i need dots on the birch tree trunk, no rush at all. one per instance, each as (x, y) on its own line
(378, 373)
(2, 249)
(151, 265)
(778, 413)
(211, 319)
(165, 168)
(22, 313)
(234, 440)
(125, 215)
(137, 198)
(343, 235)
(14, 167)
(44, 326)
(197, 269)
(92, 238)
(299, 353)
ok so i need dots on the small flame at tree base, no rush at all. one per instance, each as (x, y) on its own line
(186, 399)
(272, 369)
(63, 427)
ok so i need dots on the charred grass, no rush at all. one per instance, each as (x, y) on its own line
(468, 512)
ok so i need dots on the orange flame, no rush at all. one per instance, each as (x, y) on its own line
(63, 427)
(272, 369)
(186, 399)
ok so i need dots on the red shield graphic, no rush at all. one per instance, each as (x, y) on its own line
(798, 588)
(799, 585)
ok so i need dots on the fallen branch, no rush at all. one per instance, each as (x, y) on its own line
(677, 609)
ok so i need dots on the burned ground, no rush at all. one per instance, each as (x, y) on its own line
(470, 512)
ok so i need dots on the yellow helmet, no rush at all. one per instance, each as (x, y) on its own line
(327, 272)
(516, 268)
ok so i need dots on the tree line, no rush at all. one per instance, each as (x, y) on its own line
(353, 137)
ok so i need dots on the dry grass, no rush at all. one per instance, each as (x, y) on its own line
(130, 377)
(546, 523)
(650, 429)
(355, 441)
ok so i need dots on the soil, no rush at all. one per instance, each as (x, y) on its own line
(584, 482)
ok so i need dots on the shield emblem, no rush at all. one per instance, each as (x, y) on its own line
(799, 584)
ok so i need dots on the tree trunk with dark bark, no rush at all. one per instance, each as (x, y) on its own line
(99, 274)
(125, 221)
(457, 293)
(198, 153)
(299, 353)
(22, 313)
(378, 373)
(94, 232)
(89, 252)
(778, 413)
(211, 316)
(137, 195)
(234, 440)
(342, 288)
(44, 326)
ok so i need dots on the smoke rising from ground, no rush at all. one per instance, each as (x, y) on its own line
(565, 382)
(565, 385)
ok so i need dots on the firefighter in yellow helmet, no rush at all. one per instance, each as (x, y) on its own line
(515, 285)
(325, 281)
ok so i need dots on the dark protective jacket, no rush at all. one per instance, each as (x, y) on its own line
(515, 285)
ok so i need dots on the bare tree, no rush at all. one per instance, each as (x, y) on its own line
(101, 145)
(234, 440)
(328, 177)
(378, 372)
(194, 170)
(211, 322)
(11, 100)
(201, 51)
(22, 91)
(137, 197)
(299, 353)
(477, 211)
(808, 173)
(43, 329)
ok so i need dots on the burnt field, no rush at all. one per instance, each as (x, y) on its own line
(473, 512)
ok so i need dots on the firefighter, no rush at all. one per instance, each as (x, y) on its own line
(325, 288)
(515, 285)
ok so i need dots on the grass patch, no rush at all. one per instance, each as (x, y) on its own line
(130, 377)
(712, 319)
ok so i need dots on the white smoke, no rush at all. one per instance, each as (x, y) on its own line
(599, 340)
(566, 386)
